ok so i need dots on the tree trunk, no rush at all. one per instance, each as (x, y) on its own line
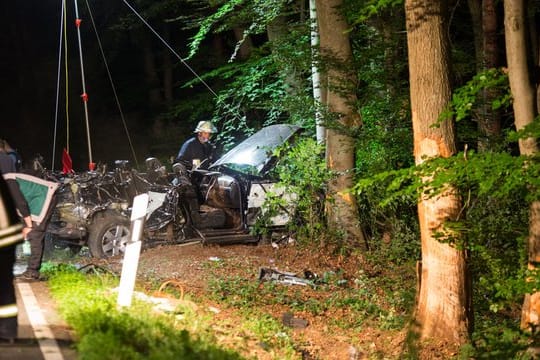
(276, 31)
(535, 44)
(167, 69)
(443, 308)
(315, 73)
(334, 43)
(244, 45)
(489, 120)
(475, 9)
(155, 98)
(484, 19)
(524, 103)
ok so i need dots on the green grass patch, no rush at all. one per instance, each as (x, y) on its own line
(105, 331)
(347, 305)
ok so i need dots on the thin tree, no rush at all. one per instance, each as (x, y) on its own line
(524, 104)
(443, 303)
(339, 85)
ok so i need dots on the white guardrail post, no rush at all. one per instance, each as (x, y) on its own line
(133, 250)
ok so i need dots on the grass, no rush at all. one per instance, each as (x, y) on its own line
(346, 306)
(104, 331)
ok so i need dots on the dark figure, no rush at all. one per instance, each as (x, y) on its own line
(13, 153)
(7, 165)
(33, 232)
(197, 151)
(11, 235)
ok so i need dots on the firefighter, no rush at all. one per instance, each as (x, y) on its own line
(10, 235)
(197, 151)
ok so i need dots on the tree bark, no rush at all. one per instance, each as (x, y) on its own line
(342, 209)
(524, 99)
(315, 73)
(525, 110)
(475, 9)
(489, 120)
(443, 305)
(244, 44)
(484, 19)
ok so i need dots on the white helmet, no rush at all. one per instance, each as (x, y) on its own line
(205, 126)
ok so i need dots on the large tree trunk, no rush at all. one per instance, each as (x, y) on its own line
(334, 43)
(443, 308)
(524, 99)
(535, 45)
(524, 103)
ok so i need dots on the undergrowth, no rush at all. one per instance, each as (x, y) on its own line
(105, 331)
(347, 303)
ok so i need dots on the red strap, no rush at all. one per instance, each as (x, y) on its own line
(67, 165)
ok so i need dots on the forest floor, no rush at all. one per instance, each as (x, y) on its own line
(316, 334)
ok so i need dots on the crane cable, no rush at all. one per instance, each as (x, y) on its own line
(66, 87)
(171, 49)
(112, 84)
(232, 110)
(84, 95)
(62, 11)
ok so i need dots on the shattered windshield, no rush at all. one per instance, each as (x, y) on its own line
(252, 155)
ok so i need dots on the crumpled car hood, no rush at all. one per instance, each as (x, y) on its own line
(252, 156)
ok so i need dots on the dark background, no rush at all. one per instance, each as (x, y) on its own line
(32, 121)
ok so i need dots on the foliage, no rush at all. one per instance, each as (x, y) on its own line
(258, 91)
(253, 16)
(354, 301)
(302, 171)
(273, 86)
(106, 332)
(470, 97)
(467, 96)
(246, 104)
(206, 25)
(495, 188)
(362, 11)
(500, 340)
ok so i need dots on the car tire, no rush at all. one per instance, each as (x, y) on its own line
(108, 235)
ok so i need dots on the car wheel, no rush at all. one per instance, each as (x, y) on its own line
(108, 235)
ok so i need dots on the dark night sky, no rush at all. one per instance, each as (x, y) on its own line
(29, 45)
(28, 37)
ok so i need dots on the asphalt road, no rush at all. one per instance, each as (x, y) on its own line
(43, 335)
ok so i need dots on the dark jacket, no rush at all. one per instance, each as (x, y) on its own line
(194, 149)
(9, 221)
(10, 236)
(7, 165)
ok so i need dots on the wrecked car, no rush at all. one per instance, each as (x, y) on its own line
(221, 204)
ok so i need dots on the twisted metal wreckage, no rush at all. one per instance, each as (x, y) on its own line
(219, 205)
